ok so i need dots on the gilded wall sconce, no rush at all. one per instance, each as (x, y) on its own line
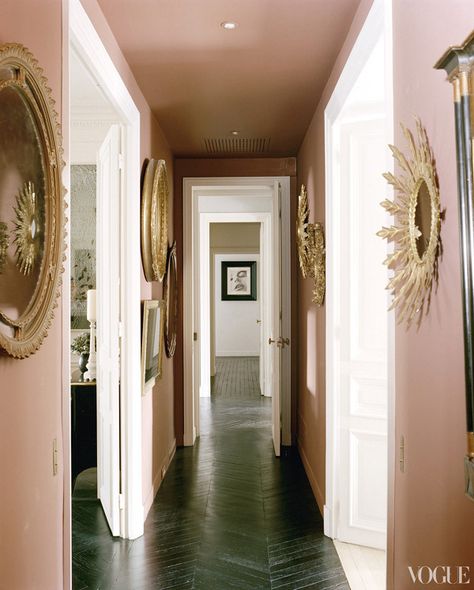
(416, 227)
(458, 62)
(311, 249)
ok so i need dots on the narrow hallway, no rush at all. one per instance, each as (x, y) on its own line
(228, 514)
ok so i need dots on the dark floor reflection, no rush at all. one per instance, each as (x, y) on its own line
(229, 515)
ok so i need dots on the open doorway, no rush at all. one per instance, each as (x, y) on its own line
(236, 307)
(105, 189)
(359, 330)
(256, 201)
(95, 401)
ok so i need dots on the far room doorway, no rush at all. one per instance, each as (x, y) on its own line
(254, 200)
(236, 308)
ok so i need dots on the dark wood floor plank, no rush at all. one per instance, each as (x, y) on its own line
(228, 515)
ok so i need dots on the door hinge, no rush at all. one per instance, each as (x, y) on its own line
(195, 336)
(120, 329)
(120, 162)
(121, 502)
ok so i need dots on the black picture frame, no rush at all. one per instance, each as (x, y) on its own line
(238, 276)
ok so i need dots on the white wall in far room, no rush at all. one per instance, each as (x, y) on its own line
(237, 331)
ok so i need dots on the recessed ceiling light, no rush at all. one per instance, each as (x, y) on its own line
(229, 25)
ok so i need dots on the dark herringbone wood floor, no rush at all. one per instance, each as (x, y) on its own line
(227, 516)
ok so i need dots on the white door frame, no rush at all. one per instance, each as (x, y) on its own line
(379, 20)
(251, 188)
(89, 47)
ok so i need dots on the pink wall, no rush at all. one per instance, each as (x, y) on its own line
(434, 522)
(31, 499)
(31, 503)
(312, 320)
(158, 407)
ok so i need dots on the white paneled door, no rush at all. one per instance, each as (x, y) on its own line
(108, 317)
(362, 340)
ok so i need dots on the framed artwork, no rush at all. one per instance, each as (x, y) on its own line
(152, 342)
(239, 280)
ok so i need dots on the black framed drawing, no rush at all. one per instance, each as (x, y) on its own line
(239, 280)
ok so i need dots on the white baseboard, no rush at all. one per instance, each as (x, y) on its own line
(328, 522)
(205, 391)
(189, 438)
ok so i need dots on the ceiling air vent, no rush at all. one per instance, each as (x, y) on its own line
(237, 145)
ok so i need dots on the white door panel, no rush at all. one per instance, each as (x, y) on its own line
(108, 316)
(362, 339)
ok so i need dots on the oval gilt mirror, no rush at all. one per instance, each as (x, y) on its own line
(31, 203)
(154, 220)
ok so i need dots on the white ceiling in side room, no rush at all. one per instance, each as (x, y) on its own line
(91, 113)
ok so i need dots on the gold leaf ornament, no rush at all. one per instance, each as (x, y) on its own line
(27, 230)
(302, 230)
(415, 231)
(311, 249)
(4, 243)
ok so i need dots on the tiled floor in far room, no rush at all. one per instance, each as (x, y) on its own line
(229, 515)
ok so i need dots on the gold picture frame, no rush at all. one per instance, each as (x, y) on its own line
(153, 321)
(311, 249)
(416, 228)
(31, 203)
(154, 220)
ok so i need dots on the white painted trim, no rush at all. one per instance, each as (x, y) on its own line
(193, 189)
(87, 43)
(379, 19)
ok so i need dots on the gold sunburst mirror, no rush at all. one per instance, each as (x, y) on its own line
(311, 249)
(31, 203)
(416, 228)
(154, 220)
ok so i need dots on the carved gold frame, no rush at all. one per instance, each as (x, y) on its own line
(19, 70)
(154, 220)
(412, 281)
(311, 249)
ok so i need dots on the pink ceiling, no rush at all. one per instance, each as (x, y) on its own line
(262, 79)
